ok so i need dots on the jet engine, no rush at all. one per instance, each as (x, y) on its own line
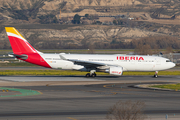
(115, 71)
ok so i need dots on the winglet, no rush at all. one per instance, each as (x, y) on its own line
(62, 57)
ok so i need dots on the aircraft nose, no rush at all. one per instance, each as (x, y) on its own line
(172, 64)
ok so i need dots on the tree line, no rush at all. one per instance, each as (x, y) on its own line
(141, 45)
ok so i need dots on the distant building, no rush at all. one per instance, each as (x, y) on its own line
(131, 18)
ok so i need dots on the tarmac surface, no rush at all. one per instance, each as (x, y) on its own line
(80, 98)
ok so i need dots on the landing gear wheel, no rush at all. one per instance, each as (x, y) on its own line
(155, 76)
(88, 75)
(93, 75)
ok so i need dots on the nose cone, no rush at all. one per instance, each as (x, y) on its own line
(173, 64)
(170, 65)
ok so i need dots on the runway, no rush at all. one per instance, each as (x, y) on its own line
(83, 78)
(85, 101)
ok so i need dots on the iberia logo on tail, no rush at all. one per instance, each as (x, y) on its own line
(23, 50)
(18, 43)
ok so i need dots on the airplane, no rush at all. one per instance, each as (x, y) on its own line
(114, 64)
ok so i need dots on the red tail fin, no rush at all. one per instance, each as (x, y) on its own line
(23, 50)
(18, 43)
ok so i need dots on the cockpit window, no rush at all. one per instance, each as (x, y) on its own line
(168, 61)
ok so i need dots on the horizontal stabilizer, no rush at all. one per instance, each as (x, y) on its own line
(24, 57)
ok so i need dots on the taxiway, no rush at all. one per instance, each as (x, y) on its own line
(80, 98)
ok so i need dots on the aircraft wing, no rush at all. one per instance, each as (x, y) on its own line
(86, 64)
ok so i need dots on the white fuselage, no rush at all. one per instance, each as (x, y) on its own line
(112, 64)
(127, 62)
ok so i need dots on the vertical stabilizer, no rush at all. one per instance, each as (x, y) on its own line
(18, 43)
(23, 50)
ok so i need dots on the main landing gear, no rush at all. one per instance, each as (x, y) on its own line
(156, 74)
(91, 74)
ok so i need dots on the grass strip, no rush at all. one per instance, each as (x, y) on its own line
(168, 86)
(20, 64)
(69, 72)
(43, 72)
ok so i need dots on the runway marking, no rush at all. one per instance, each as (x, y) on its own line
(134, 94)
(119, 90)
(109, 93)
(71, 118)
(112, 86)
(24, 92)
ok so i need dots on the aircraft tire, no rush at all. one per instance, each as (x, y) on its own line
(155, 76)
(88, 75)
(94, 75)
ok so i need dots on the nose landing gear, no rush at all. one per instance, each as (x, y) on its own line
(91, 75)
(156, 74)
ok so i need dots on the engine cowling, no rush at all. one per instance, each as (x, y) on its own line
(115, 71)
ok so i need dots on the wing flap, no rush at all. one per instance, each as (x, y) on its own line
(87, 64)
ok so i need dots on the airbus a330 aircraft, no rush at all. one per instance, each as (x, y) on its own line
(92, 63)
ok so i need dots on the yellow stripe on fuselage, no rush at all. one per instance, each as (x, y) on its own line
(13, 30)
